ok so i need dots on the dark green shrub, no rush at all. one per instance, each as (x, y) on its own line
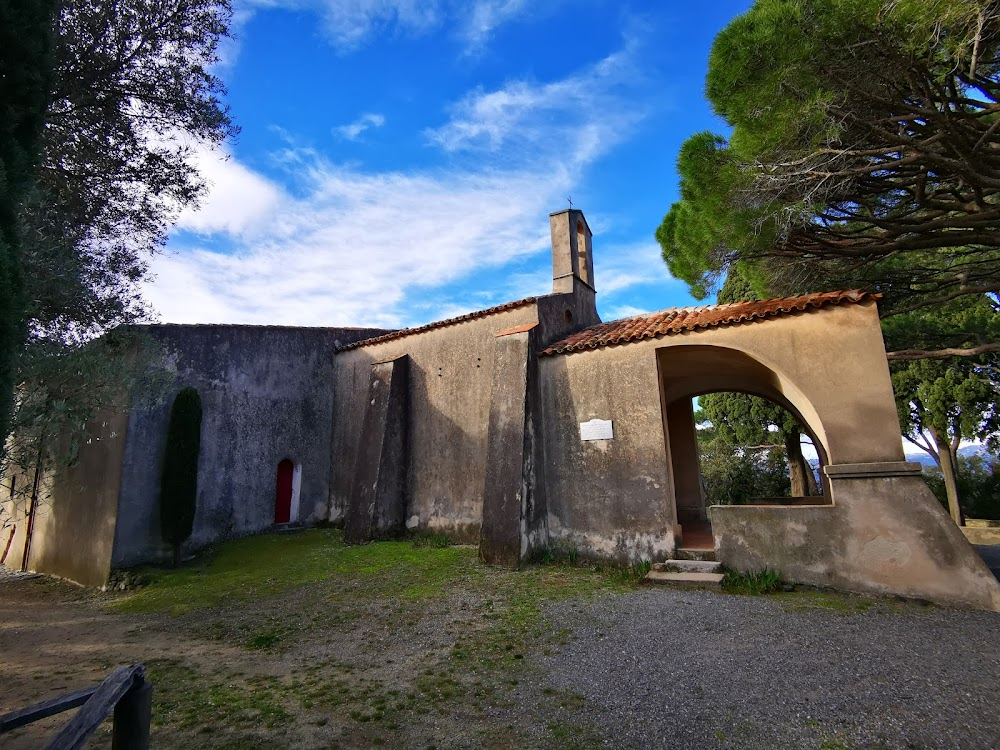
(752, 583)
(179, 480)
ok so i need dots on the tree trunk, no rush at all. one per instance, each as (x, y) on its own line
(949, 470)
(799, 470)
(32, 508)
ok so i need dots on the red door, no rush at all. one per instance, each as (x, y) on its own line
(283, 494)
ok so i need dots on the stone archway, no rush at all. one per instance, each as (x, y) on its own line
(688, 371)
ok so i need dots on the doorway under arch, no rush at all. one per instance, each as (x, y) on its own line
(286, 495)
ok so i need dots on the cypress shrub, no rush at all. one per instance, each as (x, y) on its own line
(179, 479)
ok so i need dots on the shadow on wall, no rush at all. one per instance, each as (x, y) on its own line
(445, 462)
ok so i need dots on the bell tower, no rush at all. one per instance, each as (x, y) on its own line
(572, 252)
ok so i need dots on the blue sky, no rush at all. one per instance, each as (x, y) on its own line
(399, 158)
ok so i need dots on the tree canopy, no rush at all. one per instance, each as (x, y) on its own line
(26, 60)
(865, 151)
(132, 95)
(942, 402)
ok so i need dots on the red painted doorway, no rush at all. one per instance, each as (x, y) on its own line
(283, 493)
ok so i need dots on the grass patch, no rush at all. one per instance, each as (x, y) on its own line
(262, 566)
(427, 539)
(828, 601)
(753, 583)
(232, 707)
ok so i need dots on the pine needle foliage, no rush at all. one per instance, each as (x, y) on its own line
(864, 151)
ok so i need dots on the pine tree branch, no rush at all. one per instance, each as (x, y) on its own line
(904, 355)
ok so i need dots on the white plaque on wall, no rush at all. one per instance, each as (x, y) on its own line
(597, 429)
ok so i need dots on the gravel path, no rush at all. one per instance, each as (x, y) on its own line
(690, 669)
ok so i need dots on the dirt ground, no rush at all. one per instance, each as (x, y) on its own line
(56, 638)
(389, 645)
(323, 665)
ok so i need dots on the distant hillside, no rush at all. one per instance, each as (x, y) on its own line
(924, 459)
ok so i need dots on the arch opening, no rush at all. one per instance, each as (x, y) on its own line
(753, 451)
(581, 253)
(770, 469)
(288, 484)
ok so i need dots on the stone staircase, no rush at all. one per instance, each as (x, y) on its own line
(692, 565)
(686, 573)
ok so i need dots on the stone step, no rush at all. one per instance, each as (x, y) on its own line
(687, 566)
(687, 553)
(685, 579)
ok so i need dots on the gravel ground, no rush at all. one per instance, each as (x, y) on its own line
(692, 669)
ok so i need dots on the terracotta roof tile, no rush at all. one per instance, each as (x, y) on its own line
(517, 329)
(677, 320)
(441, 323)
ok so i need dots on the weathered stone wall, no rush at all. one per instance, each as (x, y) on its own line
(885, 534)
(606, 498)
(74, 523)
(450, 378)
(266, 396)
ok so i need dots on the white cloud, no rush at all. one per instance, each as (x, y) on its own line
(350, 24)
(349, 247)
(624, 311)
(583, 112)
(356, 250)
(238, 199)
(353, 130)
(485, 16)
(621, 267)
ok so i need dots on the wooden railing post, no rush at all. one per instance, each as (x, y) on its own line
(126, 691)
(132, 716)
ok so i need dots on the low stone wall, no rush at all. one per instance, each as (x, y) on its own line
(884, 534)
(981, 532)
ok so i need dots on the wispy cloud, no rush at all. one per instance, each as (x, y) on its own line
(623, 311)
(350, 24)
(353, 130)
(583, 112)
(621, 267)
(239, 199)
(350, 247)
(485, 16)
(356, 250)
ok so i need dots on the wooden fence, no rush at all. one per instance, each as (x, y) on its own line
(126, 691)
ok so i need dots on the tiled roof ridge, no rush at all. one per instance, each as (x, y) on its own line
(441, 323)
(678, 319)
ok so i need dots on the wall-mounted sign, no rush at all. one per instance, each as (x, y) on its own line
(597, 429)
